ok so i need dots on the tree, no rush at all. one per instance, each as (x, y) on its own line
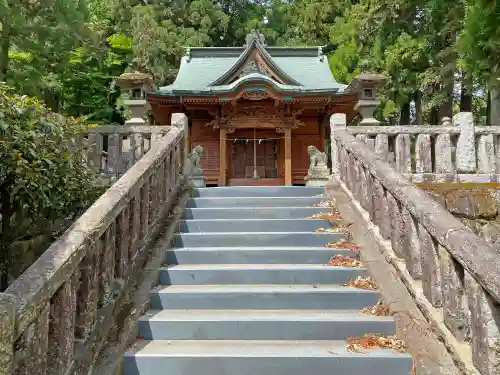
(45, 182)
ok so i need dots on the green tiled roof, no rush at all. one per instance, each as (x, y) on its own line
(305, 68)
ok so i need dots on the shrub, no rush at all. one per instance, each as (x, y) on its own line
(45, 182)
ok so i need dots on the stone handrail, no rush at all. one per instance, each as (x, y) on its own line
(455, 152)
(60, 314)
(457, 270)
(113, 149)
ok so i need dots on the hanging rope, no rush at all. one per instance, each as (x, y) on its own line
(254, 156)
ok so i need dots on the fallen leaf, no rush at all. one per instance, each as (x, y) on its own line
(329, 203)
(332, 352)
(331, 216)
(344, 245)
(380, 309)
(374, 341)
(360, 282)
(344, 261)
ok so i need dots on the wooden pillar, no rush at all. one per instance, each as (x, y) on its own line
(288, 157)
(223, 157)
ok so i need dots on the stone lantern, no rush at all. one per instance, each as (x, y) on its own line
(367, 85)
(137, 85)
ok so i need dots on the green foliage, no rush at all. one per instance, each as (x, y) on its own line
(44, 179)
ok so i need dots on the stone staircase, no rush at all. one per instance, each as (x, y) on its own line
(247, 292)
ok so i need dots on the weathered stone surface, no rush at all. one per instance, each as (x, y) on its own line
(382, 146)
(455, 308)
(490, 232)
(485, 154)
(377, 193)
(7, 329)
(362, 138)
(32, 347)
(62, 327)
(424, 153)
(412, 246)
(88, 293)
(472, 204)
(397, 226)
(431, 274)
(337, 120)
(145, 206)
(466, 144)
(485, 320)
(122, 241)
(443, 154)
(402, 153)
(480, 258)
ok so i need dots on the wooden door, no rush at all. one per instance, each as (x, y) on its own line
(243, 163)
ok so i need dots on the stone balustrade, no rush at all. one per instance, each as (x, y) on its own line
(453, 273)
(72, 304)
(453, 151)
(114, 149)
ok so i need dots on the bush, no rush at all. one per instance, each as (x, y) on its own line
(45, 182)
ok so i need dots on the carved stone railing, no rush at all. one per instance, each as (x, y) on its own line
(454, 151)
(114, 149)
(456, 273)
(70, 305)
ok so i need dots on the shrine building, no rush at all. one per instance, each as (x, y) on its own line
(255, 109)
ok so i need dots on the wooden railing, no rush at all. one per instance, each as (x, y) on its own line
(69, 305)
(114, 149)
(457, 151)
(457, 270)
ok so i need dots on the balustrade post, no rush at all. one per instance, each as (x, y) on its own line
(337, 121)
(466, 145)
(181, 121)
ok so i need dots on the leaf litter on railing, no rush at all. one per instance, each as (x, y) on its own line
(344, 261)
(375, 341)
(361, 282)
(380, 309)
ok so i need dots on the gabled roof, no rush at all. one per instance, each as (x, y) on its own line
(218, 70)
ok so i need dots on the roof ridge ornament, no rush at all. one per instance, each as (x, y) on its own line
(255, 35)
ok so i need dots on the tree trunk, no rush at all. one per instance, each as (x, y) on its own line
(466, 93)
(6, 213)
(405, 114)
(4, 51)
(419, 117)
(494, 109)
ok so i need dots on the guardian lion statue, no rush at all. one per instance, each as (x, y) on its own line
(317, 159)
(193, 162)
(318, 168)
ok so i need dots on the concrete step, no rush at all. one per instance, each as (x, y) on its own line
(252, 212)
(258, 191)
(252, 225)
(254, 255)
(260, 357)
(253, 239)
(269, 297)
(253, 202)
(233, 274)
(260, 324)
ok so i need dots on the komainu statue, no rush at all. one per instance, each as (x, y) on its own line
(317, 159)
(193, 167)
(318, 167)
